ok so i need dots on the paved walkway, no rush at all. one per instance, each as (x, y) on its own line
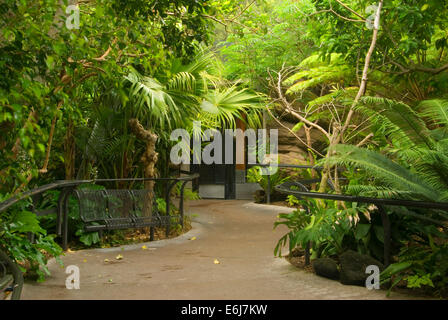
(237, 233)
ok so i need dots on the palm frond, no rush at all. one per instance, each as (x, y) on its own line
(221, 107)
(153, 102)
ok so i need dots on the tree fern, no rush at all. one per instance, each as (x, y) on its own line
(403, 117)
(315, 71)
(385, 171)
(436, 110)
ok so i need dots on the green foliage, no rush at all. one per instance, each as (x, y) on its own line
(412, 37)
(268, 35)
(421, 267)
(255, 175)
(315, 72)
(411, 165)
(88, 238)
(414, 166)
(189, 194)
(54, 71)
(329, 229)
(32, 257)
(192, 92)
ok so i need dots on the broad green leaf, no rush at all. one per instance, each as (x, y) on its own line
(362, 230)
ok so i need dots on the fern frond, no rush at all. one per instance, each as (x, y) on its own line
(435, 110)
(402, 116)
(389, 173)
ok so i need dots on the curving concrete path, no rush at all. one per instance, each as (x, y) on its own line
(239, 234)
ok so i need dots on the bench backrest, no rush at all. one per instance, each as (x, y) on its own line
(100, 205)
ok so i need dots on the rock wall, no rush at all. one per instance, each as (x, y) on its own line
(291, 150)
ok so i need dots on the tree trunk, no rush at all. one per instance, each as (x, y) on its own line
(149, 160)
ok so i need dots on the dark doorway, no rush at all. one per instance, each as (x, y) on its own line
(218, 174)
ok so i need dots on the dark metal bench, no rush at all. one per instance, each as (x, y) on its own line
(11, 279)
(114, 209)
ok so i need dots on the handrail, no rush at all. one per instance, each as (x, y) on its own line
(58, 184)
(54, 185)
(361, 199)
(295, 166)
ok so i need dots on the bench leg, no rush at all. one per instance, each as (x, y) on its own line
(167, 232)
(307, 253)
(151, 233)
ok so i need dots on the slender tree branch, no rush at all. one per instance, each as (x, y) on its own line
(364, 141)
(363, 86)
(351, 10)
(291, 111)
(293, 133)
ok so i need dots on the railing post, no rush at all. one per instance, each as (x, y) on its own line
(387, 235)
(60, 212)
(168, 199)
(307, 253)
(181, 203)
(268, 192)
(66, 198)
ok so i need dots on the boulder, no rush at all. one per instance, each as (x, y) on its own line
(326, 267)
(353, 267)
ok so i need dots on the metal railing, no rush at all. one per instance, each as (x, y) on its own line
(318, 169)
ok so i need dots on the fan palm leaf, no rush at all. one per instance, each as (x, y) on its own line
(220, 107)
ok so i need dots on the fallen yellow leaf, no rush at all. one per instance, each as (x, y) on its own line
(144, 247)
(106, 260)
(85, 260)
(193, 238)
(119, 257)
(216, 261)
